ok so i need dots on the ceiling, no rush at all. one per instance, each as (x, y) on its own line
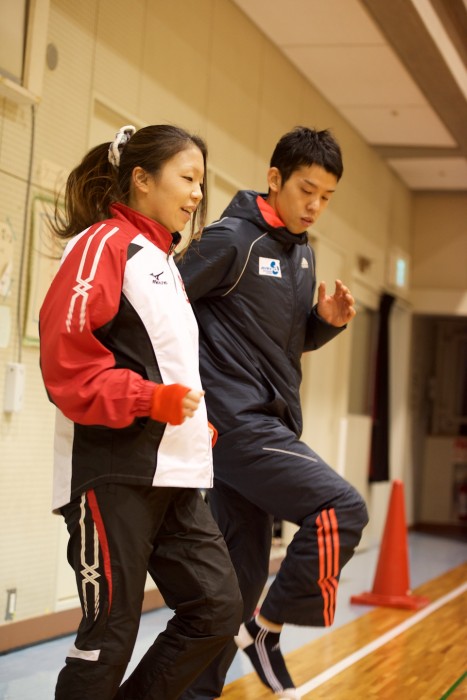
(396, 70)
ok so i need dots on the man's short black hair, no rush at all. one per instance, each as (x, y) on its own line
(304, 146)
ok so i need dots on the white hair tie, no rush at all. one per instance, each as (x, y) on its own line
(122, 137)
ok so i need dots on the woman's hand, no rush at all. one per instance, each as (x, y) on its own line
(190, 403)
(172, 403)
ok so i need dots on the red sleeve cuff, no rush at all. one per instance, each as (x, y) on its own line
(167, 403)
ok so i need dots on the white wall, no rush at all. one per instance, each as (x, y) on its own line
(439, 253)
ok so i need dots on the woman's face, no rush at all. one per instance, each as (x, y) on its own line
(172, 196)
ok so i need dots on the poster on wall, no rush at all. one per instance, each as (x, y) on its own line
(6, 274)
(6, 261)
(44, 260)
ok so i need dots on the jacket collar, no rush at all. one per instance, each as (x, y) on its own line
(277, 228)
(253, 207)
(157, 233)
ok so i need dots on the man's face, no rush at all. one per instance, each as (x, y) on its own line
(303, 197)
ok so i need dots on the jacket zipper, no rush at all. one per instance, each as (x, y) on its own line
(294, 297)
(169, 257)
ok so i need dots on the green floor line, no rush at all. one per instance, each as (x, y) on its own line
(453, 687)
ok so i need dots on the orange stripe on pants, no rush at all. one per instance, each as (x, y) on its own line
(328, 553)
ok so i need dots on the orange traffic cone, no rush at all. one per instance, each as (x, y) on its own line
(391, 587)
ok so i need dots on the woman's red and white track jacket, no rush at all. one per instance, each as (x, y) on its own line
(115, 321)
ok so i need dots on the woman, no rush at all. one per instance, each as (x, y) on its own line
(119, 358)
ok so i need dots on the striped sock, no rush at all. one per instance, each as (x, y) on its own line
(263, 649)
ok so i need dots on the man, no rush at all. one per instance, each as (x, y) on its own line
(251, 280)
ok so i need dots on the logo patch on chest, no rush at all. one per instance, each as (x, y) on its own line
(270, 267)
(156, 278)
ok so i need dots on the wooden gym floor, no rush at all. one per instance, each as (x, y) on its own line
(385, 654)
